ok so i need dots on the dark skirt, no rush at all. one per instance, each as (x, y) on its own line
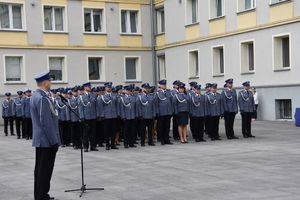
(183, 118)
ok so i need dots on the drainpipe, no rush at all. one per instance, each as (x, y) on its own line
(153, 41)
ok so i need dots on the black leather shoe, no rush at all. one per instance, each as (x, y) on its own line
(107, 148)
(143, 145)
(86, 150)
(251, 136)
(197, 140)
(169, 143)
(151, 144)
(94, 149)
(101, 145)
(234, 137)
(114, 147)
(245, 136)
(132, 146)
(126, 146)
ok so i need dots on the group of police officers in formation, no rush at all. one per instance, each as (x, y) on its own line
(106, 115)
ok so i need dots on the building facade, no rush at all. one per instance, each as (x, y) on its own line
(130, 41)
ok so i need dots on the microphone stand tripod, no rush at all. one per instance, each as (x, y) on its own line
(83, 187)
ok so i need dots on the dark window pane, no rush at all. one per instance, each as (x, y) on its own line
(48, 18)
(131, 68)
(94, 68)
(97, 20)
(123, 21)
(286, 52)
(56, 75)
(4, 16)
(162, 16)
(251, 56)
(133, 22)
(221, 51)
(219, 8)
(194, 11)
(17, 17)
(87, 20)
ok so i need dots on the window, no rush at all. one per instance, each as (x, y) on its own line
(218, 61)
(56, 68)
(13, 68)
(11, 16)
(216, 8)
(54, 19)
(132, 69)
(192, 11)
(160, 16)
(281, 56)
(283, 108)
(246, 5)
(95, 68)
(129, 21)
(93, 20)
(193, 64)
(277, 1)
(162, 67)
(247, 56)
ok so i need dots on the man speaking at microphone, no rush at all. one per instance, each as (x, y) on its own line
(46, 138)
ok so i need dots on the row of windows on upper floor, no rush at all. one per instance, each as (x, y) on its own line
(55, 20)
(281, 58)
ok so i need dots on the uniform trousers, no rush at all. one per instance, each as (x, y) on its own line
(246, 123)
(197, 127)
(129, 132)
(175, 127)
(146, 126)
(8, 121)
(163, 126)
(229, 124)
(28, 128)
(89, 133)
(76, 133)
(64, 130)
(110, 131)
(19, 125)
(100, 132)
(44, 164)
(213, 127)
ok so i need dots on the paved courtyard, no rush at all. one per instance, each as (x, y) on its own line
(267, 167)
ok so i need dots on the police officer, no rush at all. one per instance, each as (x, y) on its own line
(45, 136)
(197, 114)
(207, 91)
(174, 117)
(165, 111)
(74, 118)
(229, 97)
(19, 113)
(247, 107)
(107, 109)
(181, 110)
(128, 115)
(27, 116)
(214, 111)
(64, 117)
(146, 111)
(8, 114)
(88, 114)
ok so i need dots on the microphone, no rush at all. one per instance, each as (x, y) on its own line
(63, 98)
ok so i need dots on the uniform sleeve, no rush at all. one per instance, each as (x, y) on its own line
(224, 105)
(2, 108)
(207, 106)
(138, 107)
(80, 108)
(221, 105)
(45, 114)
(14, 109)
(99, 107)
(174, 104)
(240, 102)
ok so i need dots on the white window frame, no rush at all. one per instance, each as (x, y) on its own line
(239, 10)
(103, 20)
(282, 35)
(65, 18)
(138, 69)
(189, 64)
(64, 70)
(159, 66)
(23, 68)
(272, 2)
(102, 70)
(216, 17)
(159, 20)
(187, 12)
(254, 55)
(23, 16)
(139, 25)
(212, 60)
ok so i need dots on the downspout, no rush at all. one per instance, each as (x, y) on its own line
(153, 41)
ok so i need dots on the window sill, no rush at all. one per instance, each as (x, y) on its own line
(247, 73)
(194, 77)
(245, 11)
(133, 81)
(218, 75)
(283, 69)
(13, 30)
(15, 83)
(280, 2)
(56, 32)
(159, 34)
(131, 34)
(59, 82)
(97, 81)
(94, 33)
(216, 18)
(192, 24)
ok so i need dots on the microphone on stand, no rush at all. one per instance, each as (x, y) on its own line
(63, 98)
